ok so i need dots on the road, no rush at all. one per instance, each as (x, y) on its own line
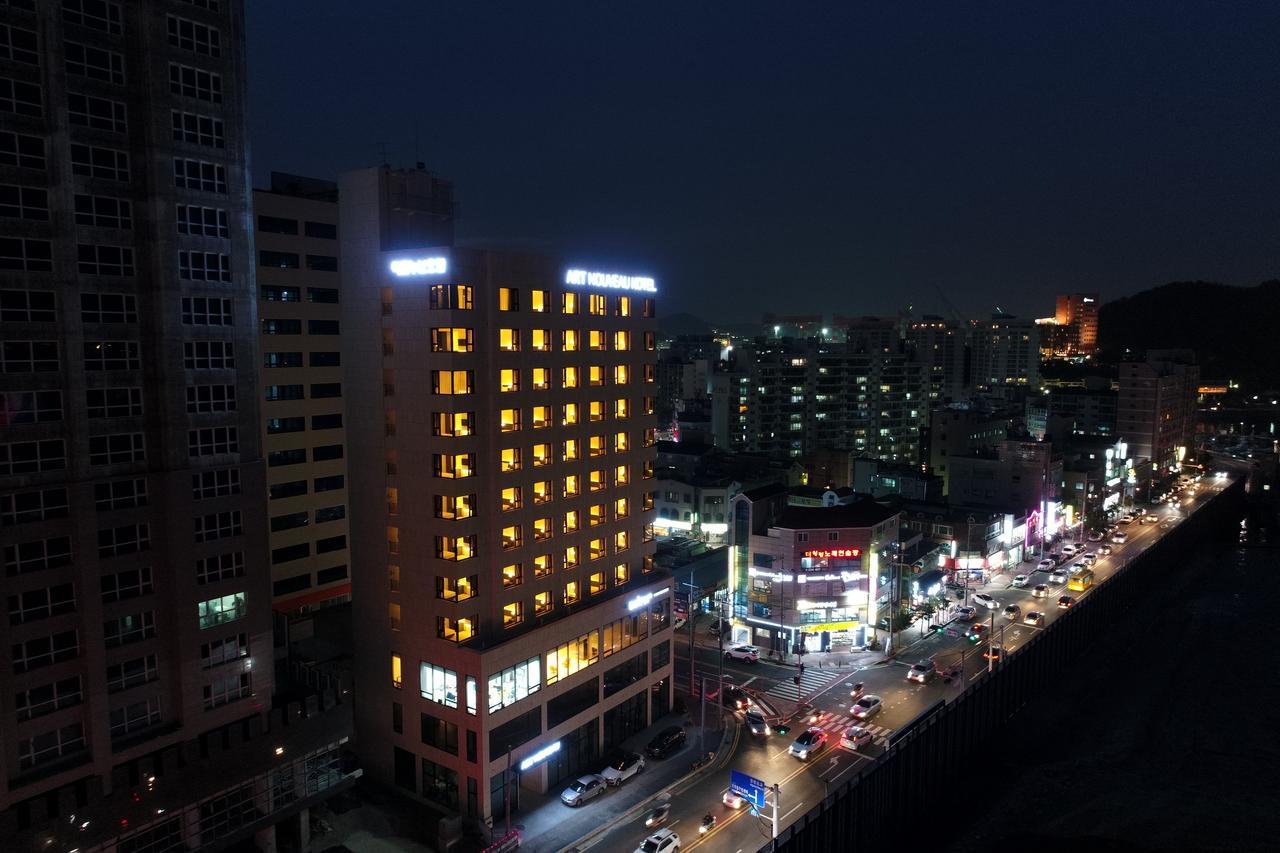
(805, 783)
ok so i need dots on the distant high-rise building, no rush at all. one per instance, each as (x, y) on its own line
(1078, 312)
(939, 347)
(1156, 406)
(500, 453)
(1006, 354)
(132, 502)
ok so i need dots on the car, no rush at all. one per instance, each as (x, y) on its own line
(808, 743)
(658, 815)
(1040, 590)
(1150, 519)
(977, 632)
(666, 742)
(720, 626)
(1046, 565)
(1033, 617)
(1065, 601)
(986, 601)
(1094, 536)
(993, 653)
(857, 691)
(1077, 568)
(1089, 559)
(1105, 550)
(1058, 577)
(965, 614)
(732, 800)
(662, 841)
(756, 723)
(855, 737)
(750, 654)
(922, 671)
(583, 789)
(1069, 549)
(622, 768)
(1120, 537)
(1019, 580)
(735, 698)
(866, 707)
(678, 622)
(1128, 519)
(1012, 612)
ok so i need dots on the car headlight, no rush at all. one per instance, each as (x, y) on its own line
(804, 753)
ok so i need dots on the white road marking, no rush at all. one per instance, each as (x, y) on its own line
(788, 814)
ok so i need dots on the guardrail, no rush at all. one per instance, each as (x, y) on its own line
(923, 762)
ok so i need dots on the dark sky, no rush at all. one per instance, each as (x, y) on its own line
(852, 158)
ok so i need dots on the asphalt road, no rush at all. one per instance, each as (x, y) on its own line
(805, 783)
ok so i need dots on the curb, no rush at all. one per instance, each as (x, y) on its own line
(718, 762)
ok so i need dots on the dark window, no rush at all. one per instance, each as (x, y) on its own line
(328, 484)
(573, 702)
(328, 295)
(471, 750)
(291, 552)
(661, 655)
(276, 293)
(439, 733)
(282, 359)
(515, 733)
(323, 230)
(281, 327)
(17, 149)
(330, 513)
(279, 425)
(289, 522)
(625, 674)
(283, 260)
(331, 574)
(277, 458)
(406, 770)
(326, 359)
(333, 421)
(297, 583)
(323, 263)
(397, 718)
(332, 543)
(277, 225)
(325, 390)
(288, 490)
(329, 451)
(283, 392)
(322, 327)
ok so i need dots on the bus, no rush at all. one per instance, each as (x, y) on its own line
(1080, 581)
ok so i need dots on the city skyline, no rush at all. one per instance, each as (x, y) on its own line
(1004, 154)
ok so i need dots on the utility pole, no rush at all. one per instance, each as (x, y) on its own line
(777, 794)
(720, 637)
(703, 739)
(693, 684)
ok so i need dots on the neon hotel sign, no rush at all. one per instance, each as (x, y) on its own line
(610, 281)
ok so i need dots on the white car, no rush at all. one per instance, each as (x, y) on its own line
(965, 614)
(986, 601)
(750, 654)
(865, 707)
(662, 841)
(1069, 549)
(855, 737)
(732, 800)
(1046, 565)
(582, 789)
(1089, 559)
(623, 768)
(1019, 580)
(1040, 590)
(1120, 537)
(1012, 612)
(922, 671)
(1058, 577)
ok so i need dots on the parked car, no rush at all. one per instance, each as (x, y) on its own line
(583, 789)
(855, 737)
(666, 742)
(662, 841)
(1040, 590)
(756, 723)
(1033, 617)
(750, 654)
(866, 707)
(1019, 581)
(622, 768)
(719, 626)
(1012, 612)
(986, 601)
(965, 614)
(922, 671)
(808, 743)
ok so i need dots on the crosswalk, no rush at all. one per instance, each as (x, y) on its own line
(812, 680)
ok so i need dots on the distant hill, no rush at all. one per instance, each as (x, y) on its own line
(1232, 329)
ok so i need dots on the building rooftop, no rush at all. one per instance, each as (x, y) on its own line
(766, 491)
(864, 513)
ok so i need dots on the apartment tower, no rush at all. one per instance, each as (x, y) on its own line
(501, 432)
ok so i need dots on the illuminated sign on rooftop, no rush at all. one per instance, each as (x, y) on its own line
(610, 281)
(413, 267)
(643, 600)
(834, 554)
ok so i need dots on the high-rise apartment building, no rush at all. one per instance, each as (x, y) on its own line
(132, 502)
(500, 440)
(1156, 406)
(303, 434)
(939, 348)
(1078, 312)
(1005, 354)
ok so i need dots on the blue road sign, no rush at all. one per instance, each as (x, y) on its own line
(749, 788)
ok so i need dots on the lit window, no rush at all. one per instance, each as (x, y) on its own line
(572, 450)
(508, 379)
(596, 481)
(646, 502)
(651, 375)
(512, 575)
(456, 589)
(455, 630)
(451, 339)
(451, 382)
(569, 303)
(570, 414)
(620, 442)
(569, 340)
(393, 540)
(509, 459)
(393, 615)
(595, 339)
(649, 564)
(621, 509)
(648, 405)
(452, 423)
(541, 455)
(397, 671)
(542, 492)
(623, 306)
(540, 340)
(542, 603)
(541, 417)
(596, 304)
(621, 541)
(621, 375)
(597, 515)
(650, 341)
(596, 446)
(539, 300)
(622, 341)
(542, 566)
(572, 486)
(455, 548)
(455, 506)
(509, 340)
(596, 583)
(571, 522)
(646, 470)
(621, 574)
(595, 549)
(509, 420)
(595, 375)
(512, 537)
(542, 529)
(650, 436)
(569, 377)
(571, 557)
(541, 379)
(508, 299)
(595, 410)
(512, 614)
(571, 593)
(454, 466)
(620, 408)
(621, 475)
(393, 578)
(511, 498)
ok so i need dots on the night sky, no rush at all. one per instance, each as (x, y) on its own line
(854, 158)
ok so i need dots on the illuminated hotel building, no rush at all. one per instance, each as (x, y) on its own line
(501, 443)
(811, 575)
